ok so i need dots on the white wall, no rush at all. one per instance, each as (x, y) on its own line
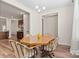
(75, 32)
(9, 26)
(65, 18)
(14, 26)
(50, 25)
(26, 21)
(35, 18)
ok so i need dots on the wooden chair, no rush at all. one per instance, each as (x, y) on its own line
(51, 47)
(21, 50)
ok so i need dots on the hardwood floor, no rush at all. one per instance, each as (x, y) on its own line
(64, 52)
(7, 52)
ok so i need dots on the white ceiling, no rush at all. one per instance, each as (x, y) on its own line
(9, 11)
(49, 4)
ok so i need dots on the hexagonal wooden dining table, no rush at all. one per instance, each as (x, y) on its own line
(32, 41)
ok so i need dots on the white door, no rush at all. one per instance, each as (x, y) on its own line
(50, 25)
(14, 27)
(26, 24)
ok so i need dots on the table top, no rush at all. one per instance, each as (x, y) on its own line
(32, 40)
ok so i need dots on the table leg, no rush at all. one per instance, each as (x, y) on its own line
(45, 53)
(35, 53)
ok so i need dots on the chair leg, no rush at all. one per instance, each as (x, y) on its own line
(35, 52)
(50, 55)
(47, 53)
(33, 56)
(53, 54)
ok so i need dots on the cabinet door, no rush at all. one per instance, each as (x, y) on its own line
(19, 35)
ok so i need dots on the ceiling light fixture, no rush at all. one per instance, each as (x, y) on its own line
(44, 8)
(36, 7)
(39, 10)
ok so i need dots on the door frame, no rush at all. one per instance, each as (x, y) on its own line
(43, 21)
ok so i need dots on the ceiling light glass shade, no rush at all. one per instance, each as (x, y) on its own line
(44, 8)
(39, 10)
(36, 7)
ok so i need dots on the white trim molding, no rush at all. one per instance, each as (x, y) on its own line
(74, 52)
(75, 33)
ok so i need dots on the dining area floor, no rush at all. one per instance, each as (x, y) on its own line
(61, 51)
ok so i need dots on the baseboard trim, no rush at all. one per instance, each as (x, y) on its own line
(64, 44)
(74, 52)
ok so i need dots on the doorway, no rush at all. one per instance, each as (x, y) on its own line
(17, 20)
(50, 24)
(14, 27)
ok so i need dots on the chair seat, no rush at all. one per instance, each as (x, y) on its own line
(47, 48)
(21, 50)
(51, 46)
